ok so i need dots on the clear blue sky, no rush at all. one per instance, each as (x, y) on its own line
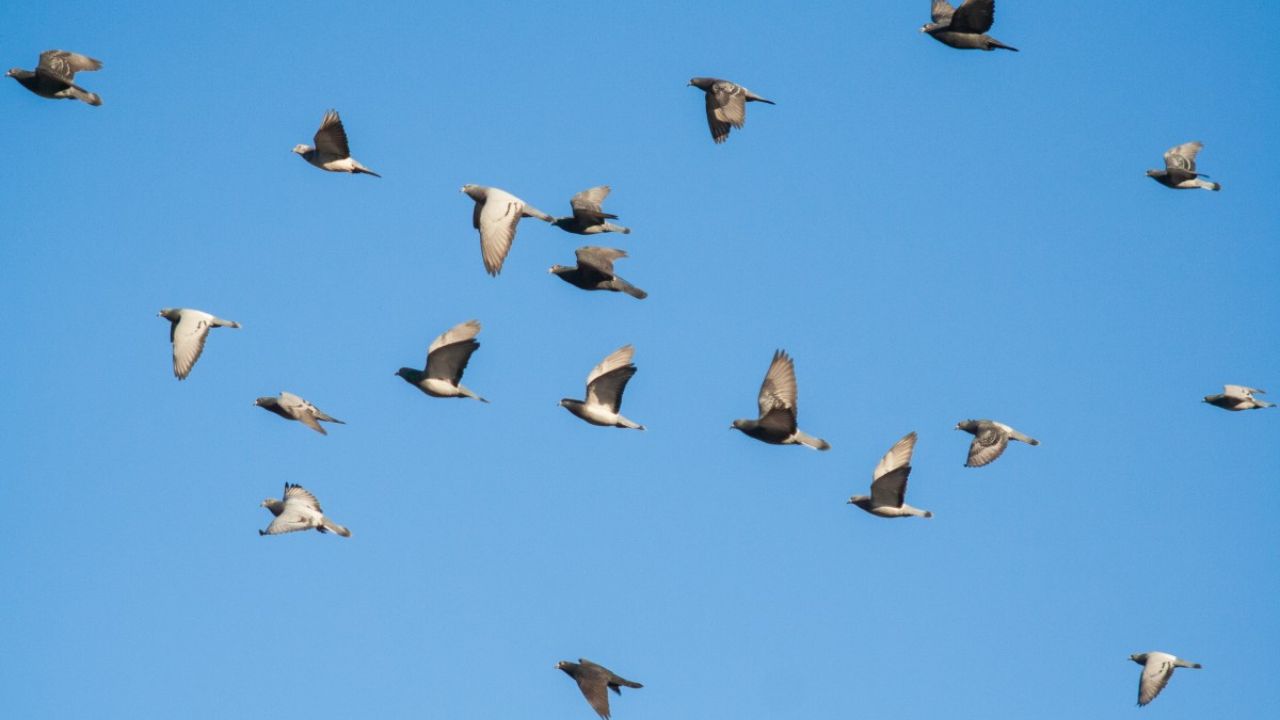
(932, 234)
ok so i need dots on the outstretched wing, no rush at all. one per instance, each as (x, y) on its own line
(63, 65)
(188, 336)
(942, 12)
(586, 205)
(449, 354)
(1155, 675)
(599, 259)
(497, 220)
(331, 138)
(1183, 157)
(974, 16)
(608, 380)
(889, 481)
(987, 445)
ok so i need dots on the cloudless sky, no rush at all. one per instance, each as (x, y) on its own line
(932, 234)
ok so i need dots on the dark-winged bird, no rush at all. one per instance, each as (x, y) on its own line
(300, 510)
(595, 681)
(332, 152)
(605, 385)
(55, 76)
(447, 357)
(889, 484)
(990, 438)
(292, 407)
(496, 214)
(726, 105)
(1238, 397)
(1157, 668)
(187, 332)
(594, 271)
(777, 422)
(1179, 170)
(965, 27)
(589, 218)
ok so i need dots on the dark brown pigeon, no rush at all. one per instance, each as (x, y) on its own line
(964, 27)
(777, 422)
(595, 681)
(589, 218)
(594, 271)
(55, 76)
(726, 105)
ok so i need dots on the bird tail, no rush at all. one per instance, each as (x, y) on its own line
(1207, 185)
(627, 683)
(810, 441)
(219, 322)
(630, 289)
(1263, 403)
(85, 96)
(532, 211)
(332, 526)
(1024, 438)
(992, 43)
(467, 392)
(756, 98)
(610, 227)
(627, 423)
(927, 514)
(362, 169)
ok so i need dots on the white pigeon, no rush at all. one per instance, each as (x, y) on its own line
(332, 152)
(1238, 397)
(889, 484)
(187, 332)
(1157, 668)
(292, 407)
(605, 385)
(298, 511)
(496, 215)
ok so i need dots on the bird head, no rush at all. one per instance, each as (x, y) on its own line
(302, 149)
(739, 425)
(967, 425)
(1140, 658)
(264, 401)
(1154, 173)
(269, 502)
(854, 500)
(168, 313)
(929, 26)
(557, 269)
(13, 72)
(701, 82)
(475, 192)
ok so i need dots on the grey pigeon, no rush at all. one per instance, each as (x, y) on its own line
(594, 271)
(726, 105)
(292, 407)
(990, 438)
(605, 385)
(595, 681)
(889, 484)
(1238, 397)
(777, 422)
(187, 330)
(964, 27)
(298, 511)
(55, 76)
(447, 357)
(1179, 170)
(588, 217)
(331, 151)
(496, 215)
(1157, 668)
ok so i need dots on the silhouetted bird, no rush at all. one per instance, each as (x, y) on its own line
(55, 76)
(496, 215)
(298, 511)
(964, 27)
(605, 385)
(292, 407)
(777, 422)
(1157, 668)
(889, 483)
(187, 330)
(594, 271)
(726, 105)
(1238, 397)
(447, 357)
(1179, 170)
(588, 217)
(595, 681)
(990, 438)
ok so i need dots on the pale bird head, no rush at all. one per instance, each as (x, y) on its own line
(301, 149)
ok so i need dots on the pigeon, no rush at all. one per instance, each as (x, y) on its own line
(446, 359)
(990, 438)
(187, 332)
(588, 218)
(298, 511)
(605, 386)
(292, 407)
(594, 271)
(594, 681)
(1238, 397)
(964, 27)
(1157, 668)
(777, 422)
(726, 105)
(1179, 170)
(331, 151)
(55, 76)
(889, 483)
(496, 215)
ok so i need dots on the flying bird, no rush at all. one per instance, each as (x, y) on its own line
(1179, 170)
(1238, 397)
(889, 484)
(331, 151)
(964, 27)
(55, 76)
(187, 330)
(1157, 668)
(990, 438)
(447, 357)
(594, 271)
(605, 386)
(777, 422)
(595, 681)
(496, 215)
(726, 105)
(588, 217)
(292, 407)
(298, 511)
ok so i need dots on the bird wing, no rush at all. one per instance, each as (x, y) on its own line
(1155, 675)
(593, 681)
(719, 127)
(608, 380)
(1241, 392)
(942, 12)
(890, 489)
(449, 354)
(779, 387)
(1183, 157)
(898, 456)
(457, 333)
(987, 445)
(302, 411)
(614, 360)
(64, 65)
(497, 220)
(187, 336)
(296, 496)
(586, 204)
(599, 259)
(974, 16)
(331, 138)
(731, 103)
(289, 520)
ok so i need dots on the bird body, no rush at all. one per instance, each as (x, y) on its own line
(990, 438)
(1180, 169)
(595, 681)
(1157, 668)
(292, 407)
(594, 271)
(964, 27)
(777, 404)
(331, 151)
(726, 105)
(889, 484)
(300, 510)
(589, 218)
(605, 385)
(54, 76)
(447, 358)
(496, 215)
(1238, 397)
(187, 332)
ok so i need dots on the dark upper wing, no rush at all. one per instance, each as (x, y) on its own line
(719, 128)
(586, 205)
(593, 681)
(780, 420)
(331, 138)
(942, 12)
(607, 389)
(599, 259)
(449, 361)
(779, 387)
(974, 16)
(890, 489)
(63, 65)
(987, 445)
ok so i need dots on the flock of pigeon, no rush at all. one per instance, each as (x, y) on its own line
(496, 216)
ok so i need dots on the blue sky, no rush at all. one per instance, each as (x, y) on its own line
(932, 234)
